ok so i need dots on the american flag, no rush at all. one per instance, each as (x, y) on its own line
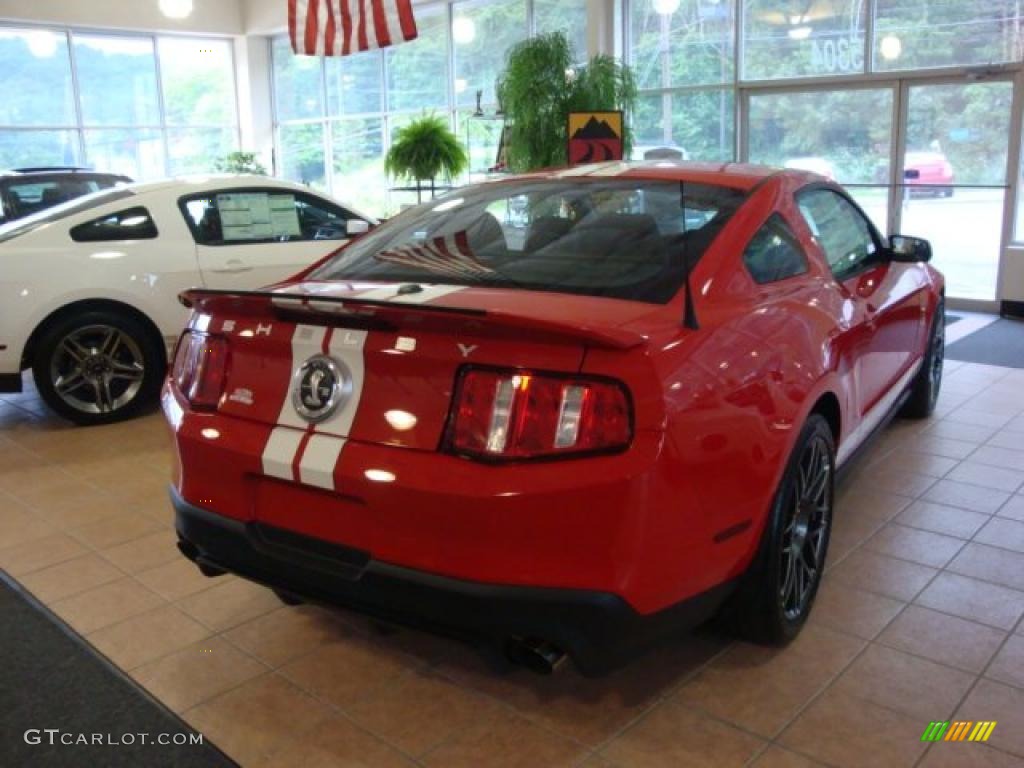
(449, 256)
(343, 27)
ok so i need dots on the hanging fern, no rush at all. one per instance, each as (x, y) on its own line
(426, 149)
(541, 86)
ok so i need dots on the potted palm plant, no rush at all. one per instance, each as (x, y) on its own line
(424, 150)
(542, 84)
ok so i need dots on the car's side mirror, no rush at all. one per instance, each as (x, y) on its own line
(908, 249)
(355, 227)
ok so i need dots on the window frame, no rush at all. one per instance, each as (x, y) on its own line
(77, 127)
(790, 237)
(880, 243)
(306, 197)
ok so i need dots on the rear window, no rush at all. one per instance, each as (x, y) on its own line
(626, 239)
(130, 224)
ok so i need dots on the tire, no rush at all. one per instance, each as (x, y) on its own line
(776, 594)
(288, 598)
(924, 390)
(98, 367)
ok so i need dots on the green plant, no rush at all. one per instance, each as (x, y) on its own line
(425, 149)
(541, 86)
(241, 162)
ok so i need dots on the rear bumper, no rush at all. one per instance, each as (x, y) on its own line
(599, 630)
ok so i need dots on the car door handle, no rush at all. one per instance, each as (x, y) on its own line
(233, 266)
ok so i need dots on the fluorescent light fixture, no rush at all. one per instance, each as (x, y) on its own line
(799, 33)
(891, 47)
(41, 43)
(463, 30)
(176, 9)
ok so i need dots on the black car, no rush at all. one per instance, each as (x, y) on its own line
(25, 191)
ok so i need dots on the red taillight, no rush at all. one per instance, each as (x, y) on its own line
(522, 415)
(200, 368)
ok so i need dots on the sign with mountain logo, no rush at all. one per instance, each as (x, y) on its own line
(595, 137)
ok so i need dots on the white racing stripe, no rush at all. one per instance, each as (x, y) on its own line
(307, 341)
(319, 460)
(324, 441)
(585, 170)
(321, 444)
(617, 168)
(346, 346)
(280, 451)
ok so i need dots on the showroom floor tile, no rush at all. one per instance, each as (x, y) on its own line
(919, 619)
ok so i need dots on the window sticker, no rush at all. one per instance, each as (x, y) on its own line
(257, 216)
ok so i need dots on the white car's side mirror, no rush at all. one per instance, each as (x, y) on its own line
(354, 227)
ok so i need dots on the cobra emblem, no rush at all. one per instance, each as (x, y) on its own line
(320, 387)
(312, 397)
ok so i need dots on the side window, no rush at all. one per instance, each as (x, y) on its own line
(841, 230)
(236, 217)
(773, 253)
(130, 224)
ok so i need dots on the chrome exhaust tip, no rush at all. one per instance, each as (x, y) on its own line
(538, 656)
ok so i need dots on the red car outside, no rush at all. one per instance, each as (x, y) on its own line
(574, 437)
(928, 173)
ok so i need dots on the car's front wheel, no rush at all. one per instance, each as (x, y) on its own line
(98, 366)
(776, 594)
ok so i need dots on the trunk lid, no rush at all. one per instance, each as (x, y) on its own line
(398, 349)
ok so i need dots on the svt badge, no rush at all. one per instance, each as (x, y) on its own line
(320, 387)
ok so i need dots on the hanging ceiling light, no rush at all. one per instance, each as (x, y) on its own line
(176, 9)
(666, 7)
(891, 47)
(463, 30)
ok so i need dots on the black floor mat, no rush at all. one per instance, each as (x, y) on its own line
(1001, 343)
(51, 679)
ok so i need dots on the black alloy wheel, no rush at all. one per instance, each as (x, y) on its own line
(775, 596)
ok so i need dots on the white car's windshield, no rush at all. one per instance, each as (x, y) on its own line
(58, 212)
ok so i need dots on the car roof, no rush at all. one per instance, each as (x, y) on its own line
(743, 176)
(188, 184)
(69, 172)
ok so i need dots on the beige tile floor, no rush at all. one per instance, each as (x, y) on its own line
(919, 619)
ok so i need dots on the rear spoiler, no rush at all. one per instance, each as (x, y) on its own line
(355, 312)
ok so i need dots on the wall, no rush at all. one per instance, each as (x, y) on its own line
(219, 17)
(264, 17)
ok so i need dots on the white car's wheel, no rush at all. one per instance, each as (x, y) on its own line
(98, 366)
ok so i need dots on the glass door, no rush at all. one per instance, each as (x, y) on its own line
(845, 135)
(953, 191)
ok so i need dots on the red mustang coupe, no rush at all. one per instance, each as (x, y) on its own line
(571, 411)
